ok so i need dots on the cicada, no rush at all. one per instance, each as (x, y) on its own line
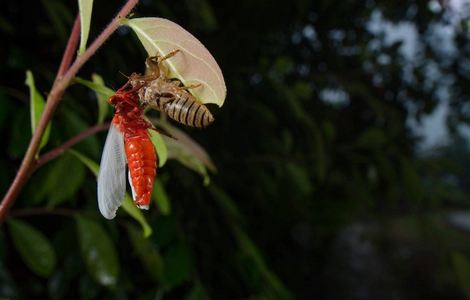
(128, 141)
(169, 95)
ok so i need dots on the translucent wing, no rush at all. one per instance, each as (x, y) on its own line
(132, 185)
(112, 176)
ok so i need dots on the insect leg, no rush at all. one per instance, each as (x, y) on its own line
(191, 86)
(167, 56)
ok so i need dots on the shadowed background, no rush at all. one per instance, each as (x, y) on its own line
(333, 181)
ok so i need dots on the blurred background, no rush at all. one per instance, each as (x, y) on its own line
(341, 153)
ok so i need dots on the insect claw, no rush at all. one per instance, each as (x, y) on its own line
(168, 55)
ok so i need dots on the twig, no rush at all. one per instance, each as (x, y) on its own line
(58, 88)
(70, 48)
(61, 149)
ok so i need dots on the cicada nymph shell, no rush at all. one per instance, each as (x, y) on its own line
(169, 95)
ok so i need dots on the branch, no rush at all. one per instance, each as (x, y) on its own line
(70, 48)
(62, 148)
(58, 88)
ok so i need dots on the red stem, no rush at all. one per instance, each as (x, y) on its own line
(68, 144)
(58, 88)
(70, 48)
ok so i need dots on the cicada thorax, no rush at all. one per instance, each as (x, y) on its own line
(169, 95)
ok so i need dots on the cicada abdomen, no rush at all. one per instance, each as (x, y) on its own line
(174, 100)
(170, 95)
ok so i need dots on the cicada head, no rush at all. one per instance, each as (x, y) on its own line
(115, 99)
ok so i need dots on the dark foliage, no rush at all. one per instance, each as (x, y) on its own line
(320, 190)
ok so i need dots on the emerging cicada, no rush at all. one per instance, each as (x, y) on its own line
(128, 141)
(169, 95)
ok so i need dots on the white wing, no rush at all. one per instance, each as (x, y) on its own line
(132, 185)
(112, 176)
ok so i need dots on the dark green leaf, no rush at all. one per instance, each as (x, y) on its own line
(33, 246)
(273, 285)
(92, 166)
(160, 197)
(98, 252)
(160, 147)
(60, 17)
(299, 178)
(147, 253)
(183, 154)
(177, 265)
(73, 125)
(103, 106)
(203, 14)
(129, 206)
(197, 293)
(19, 135)
(372, 137)
(225, 201)
(97, 85)
(65, 177)
(462, 269)
(412, 181)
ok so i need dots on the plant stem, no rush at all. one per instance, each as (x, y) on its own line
(62, 148)
(58, 88)
(70, 49)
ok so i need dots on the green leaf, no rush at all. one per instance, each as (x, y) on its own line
(197, 293)
(203, 15)
(225, 202)
(85, 7)
(184, 155)
(160, 197)
(273, 284)
(59, 184)
(299, 179)
(177, 265)
(412, 181)
(74, 124)
(160, 147)
(98, 252)
(187, 151)
(33, 246)
(103, 106)
(36, 108)
(19, 135)
(95, 85)
(462, 269)
(60, 17)
(372, 138)
(93, 166)
(129, 206)
(147, 253)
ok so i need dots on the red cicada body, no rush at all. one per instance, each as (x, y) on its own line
(128, 141)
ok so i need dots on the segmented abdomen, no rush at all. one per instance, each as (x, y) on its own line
(188, 111)
(141, 160)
